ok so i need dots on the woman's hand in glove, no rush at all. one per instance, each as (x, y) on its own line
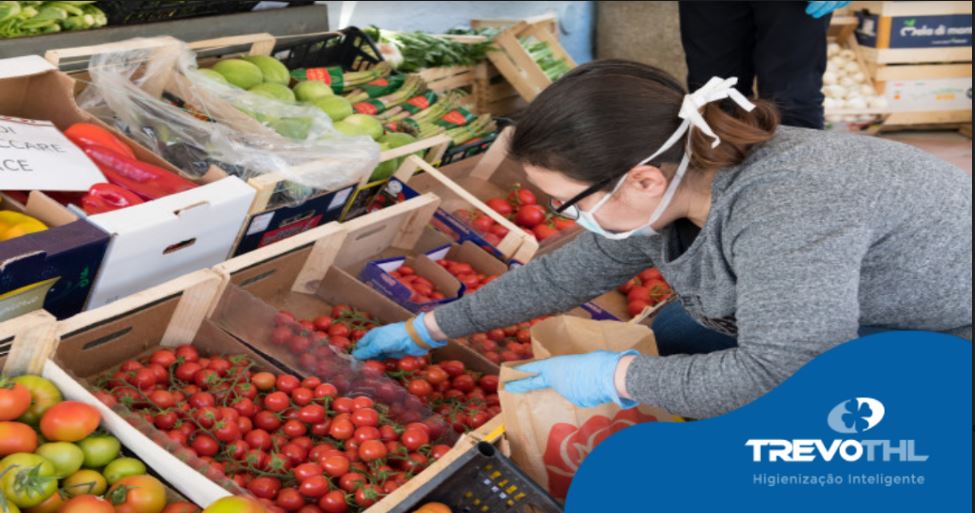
(395, 341)
(585, 380)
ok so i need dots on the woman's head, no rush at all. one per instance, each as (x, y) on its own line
(598, 122)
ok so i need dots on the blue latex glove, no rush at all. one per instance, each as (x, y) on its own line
(819, 9)
(393, 341)
(586, 380)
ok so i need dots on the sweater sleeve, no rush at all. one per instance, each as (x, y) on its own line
(568, 277)
(797, 260)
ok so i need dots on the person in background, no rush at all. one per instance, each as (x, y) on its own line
(784, 241)
(782, 44)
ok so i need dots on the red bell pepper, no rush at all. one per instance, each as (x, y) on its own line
(106, 197)
(149, 182)
(88, 134)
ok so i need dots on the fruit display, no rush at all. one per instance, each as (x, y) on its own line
(645, 289)
(20, 19)
(507, 344)
(56, 460)
(466, 274)
(293, 443)
(15, 224)
(520, 207)
(391, 108)
(413, 51)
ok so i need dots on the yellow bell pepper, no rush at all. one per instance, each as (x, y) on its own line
(14, 224)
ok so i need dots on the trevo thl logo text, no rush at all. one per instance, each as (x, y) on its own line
(850, 417)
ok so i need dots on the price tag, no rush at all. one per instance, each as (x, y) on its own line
(34, 155)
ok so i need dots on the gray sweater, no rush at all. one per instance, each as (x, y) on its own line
(814, 235)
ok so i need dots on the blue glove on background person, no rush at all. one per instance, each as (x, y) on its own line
(819, 9)
(394, 341)
(585, 380)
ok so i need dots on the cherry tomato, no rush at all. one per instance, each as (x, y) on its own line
(333, 502)
(138, 494)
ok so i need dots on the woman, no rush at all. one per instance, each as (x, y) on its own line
(780, 242)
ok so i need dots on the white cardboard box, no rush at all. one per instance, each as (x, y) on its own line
(158, 240)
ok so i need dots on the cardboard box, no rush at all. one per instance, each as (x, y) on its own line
(150, 243)
(55, 268)
(376, 273)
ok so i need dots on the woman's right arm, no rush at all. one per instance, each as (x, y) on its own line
(581, 270)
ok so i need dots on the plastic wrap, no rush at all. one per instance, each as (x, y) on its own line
(156, 94)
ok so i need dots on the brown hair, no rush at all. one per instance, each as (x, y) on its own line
(603, 117)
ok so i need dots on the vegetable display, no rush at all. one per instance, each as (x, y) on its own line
(19, 19)
(290, 442)
(15, 224)
(540, 52)
(413, 51)
(466, 274)
(74, 467)
(422, 290)
(847, 88)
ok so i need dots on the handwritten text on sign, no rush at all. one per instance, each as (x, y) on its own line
(34, 155)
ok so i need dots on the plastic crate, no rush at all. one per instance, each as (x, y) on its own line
(350, 48)
(132, 12)
(482, 481)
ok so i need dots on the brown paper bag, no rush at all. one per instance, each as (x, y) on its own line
(550, 436)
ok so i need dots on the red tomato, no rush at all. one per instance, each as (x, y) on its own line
(69, 421)
(530, 216)
(87, 504)
(522, 196)
(314, 486)
(289, 499)
(14, 399)
(16, 437)
(138, 494)
(419, 388)
(333, 502)
(544, 231)
(264, 487)
(413, 439)
(335, 465)
(372, 450)
(635, 307)
(181, 507)
(500, 205)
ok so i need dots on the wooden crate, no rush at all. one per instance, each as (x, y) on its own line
(26, 342)
(937, 77)
(517, 66)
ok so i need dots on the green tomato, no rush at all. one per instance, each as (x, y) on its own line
(123, 467)
(66, 457)
(28, 479)
(99, 450)
(43, 395)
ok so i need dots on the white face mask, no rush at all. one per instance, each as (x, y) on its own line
(716, 89)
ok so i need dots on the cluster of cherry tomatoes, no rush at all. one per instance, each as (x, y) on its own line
(422, 290)
(522, 208)
(466, 274)
(505, 344)
(465, 398)
(296, 444)
(645, 289)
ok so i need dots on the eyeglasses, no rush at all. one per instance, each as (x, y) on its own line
(568, 209)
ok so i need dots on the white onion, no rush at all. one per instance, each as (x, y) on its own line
(859, 77)
(856, 103)
(877, 102)
(847, 54)
(833, 103)
(847, 81)
(867, 90)
(852, 67)
(832, 49)
(829, 77)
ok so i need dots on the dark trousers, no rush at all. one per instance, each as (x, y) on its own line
(775, 42)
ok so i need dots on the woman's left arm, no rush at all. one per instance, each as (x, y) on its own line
(798, 272)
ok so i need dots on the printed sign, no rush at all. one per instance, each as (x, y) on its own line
(34, 155)
(914, 31)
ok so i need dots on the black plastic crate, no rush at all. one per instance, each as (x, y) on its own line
(482, 480)
(132, 12)
(350, 48)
